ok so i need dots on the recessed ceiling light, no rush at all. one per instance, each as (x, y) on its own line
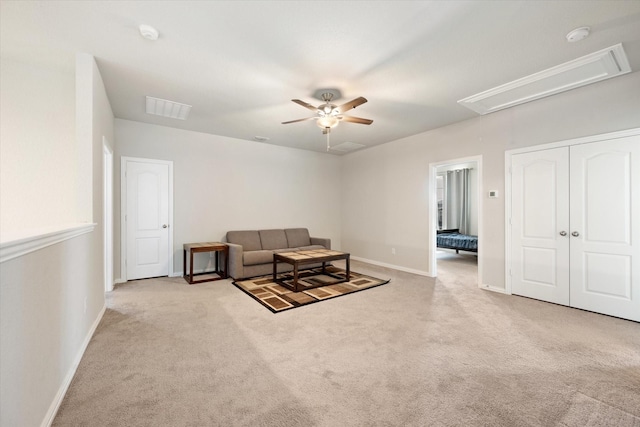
(148, 32)
(578, 34)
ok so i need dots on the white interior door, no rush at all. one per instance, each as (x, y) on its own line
(540, 225)
(147, 219)
(605, 245)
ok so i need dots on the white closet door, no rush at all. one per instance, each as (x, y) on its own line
(605, 242)
(540, 215)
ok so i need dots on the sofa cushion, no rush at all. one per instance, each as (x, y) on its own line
(249, 239)
(278, 251)
(273, 239)
(257, 257)
(297, 237)
(310, 248)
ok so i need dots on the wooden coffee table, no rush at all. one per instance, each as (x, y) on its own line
(298, 258)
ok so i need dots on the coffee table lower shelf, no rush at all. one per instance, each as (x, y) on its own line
(300, 258)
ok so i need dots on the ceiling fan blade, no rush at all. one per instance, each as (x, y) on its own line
(351, 104)
(299, 120)
(305, 105)
(352, 119)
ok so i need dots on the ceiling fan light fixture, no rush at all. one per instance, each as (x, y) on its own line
(327, 109)
(328, 115)
(327, 122)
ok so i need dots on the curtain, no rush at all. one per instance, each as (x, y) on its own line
(457, 200)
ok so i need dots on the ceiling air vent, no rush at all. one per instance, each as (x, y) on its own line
(164, 108)
(348, 146)
(592, 68)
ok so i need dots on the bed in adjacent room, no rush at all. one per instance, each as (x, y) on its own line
(452, 239)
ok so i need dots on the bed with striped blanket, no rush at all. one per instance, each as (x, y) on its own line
(452, 239)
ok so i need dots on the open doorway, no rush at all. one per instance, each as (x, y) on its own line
(456, 206)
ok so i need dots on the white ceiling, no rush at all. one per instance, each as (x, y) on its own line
(239, 63)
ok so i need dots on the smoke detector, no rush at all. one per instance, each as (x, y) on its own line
(148, 32)
(578, 34)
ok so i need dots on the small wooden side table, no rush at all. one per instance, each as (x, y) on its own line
(216, 247)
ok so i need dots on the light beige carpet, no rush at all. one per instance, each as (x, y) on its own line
(414, 352)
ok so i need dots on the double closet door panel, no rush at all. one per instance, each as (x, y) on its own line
(605, 201)
(573, 235)
(540, 205)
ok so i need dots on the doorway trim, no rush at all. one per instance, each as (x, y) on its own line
(107, 213)
(123, 211)
(433, 213)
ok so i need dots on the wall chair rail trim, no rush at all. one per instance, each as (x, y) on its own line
(15, 245)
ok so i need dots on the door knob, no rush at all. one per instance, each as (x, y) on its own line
(575, 234)
(563, 233)
(164, 225)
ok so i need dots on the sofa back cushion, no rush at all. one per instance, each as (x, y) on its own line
(273, 239)
(249, 239)
(297, 237)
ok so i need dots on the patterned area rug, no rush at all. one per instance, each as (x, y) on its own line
(278, 298)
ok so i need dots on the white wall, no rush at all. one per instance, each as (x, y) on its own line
(223, 184)
(37, 146)
(384, 199)
(51, 299)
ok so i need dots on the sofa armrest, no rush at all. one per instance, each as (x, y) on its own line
(236, 265)
(321, 241)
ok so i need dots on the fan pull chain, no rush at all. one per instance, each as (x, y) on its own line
(328, 140)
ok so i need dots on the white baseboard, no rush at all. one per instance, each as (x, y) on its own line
(493, 289)
(174, 274)
(195, 271)
(57, 401)
(395, 267)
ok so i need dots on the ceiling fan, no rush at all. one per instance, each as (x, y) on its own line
(328, 115)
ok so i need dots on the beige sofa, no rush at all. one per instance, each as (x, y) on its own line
(251, 251)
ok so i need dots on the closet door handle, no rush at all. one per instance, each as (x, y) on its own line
(563, 233)
(575, 234)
